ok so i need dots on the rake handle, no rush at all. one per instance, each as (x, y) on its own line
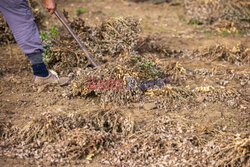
(87, 54)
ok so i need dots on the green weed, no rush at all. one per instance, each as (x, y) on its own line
(147, 16)
(225, 33)
(145, 26)
(47, 38)
(181, 18)
(112, 12)
(149, 68)
(163, 30)
(208, 32)
(195, 22)
(146, 66)
(53, 32)
(80, 11)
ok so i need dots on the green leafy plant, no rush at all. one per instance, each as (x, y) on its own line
(225, 33)
(208, 32)
(47, 38)
(53, 32)
(112, 12)
(147, 16)
(149, 68)
(145, 26)
(80, 11)
(145, 66)
(195, 22)
(163, 30)
(181, 18)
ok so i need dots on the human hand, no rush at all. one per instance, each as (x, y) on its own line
(50, 5)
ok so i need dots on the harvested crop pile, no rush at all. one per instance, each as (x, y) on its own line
(113, 37)
(59, 137)
(131, 78)
(212, 10)
(124, 69)
(238, 55)
(125, 76)
(230, 97)
(6, 129)
(236, 12)
(233, 151)
(167, 141)
(171, 97)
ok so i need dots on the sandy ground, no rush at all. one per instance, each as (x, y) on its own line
(19, 100)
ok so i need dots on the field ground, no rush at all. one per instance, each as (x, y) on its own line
(20, 101)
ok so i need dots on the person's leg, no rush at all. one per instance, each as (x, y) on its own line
(21, 21)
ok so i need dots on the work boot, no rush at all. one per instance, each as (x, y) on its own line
(51, 78)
